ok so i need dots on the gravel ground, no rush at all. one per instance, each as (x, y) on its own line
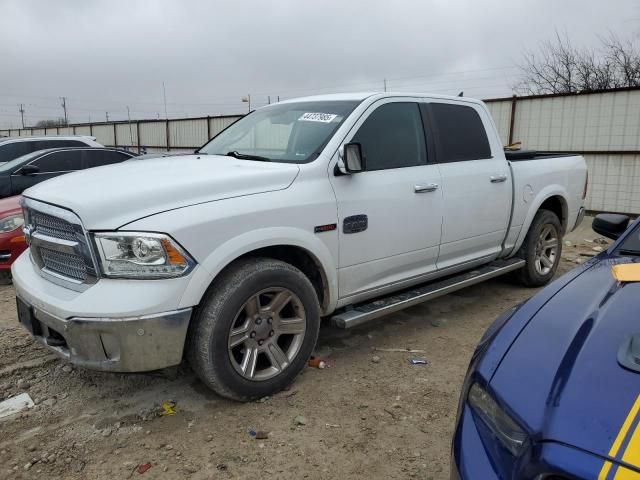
(370, 415)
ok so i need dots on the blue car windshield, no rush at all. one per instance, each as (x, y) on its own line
(293, 132)
(631, 245)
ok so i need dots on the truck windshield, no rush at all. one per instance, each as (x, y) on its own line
(288, 132)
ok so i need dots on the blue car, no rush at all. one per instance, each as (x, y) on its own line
(553, 388)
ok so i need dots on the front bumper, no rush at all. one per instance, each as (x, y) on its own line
(133, 344)
(475, 454)
(114, 325)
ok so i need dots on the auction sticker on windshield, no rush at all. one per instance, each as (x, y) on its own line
(318, 117)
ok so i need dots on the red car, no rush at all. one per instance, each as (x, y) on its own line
(12, 241)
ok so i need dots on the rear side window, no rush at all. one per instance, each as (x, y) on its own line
(458, 132)
(97, 157)
(9, 151)
(53, 143)
(393, 137)
(65, 161)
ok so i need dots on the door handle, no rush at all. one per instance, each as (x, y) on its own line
(498, 178)
(429, 187)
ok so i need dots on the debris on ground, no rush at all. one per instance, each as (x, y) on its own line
(300, 420)
(418, 361)
(375, 359)
(331, 425)
(318, 363)
(168, 408)
(399, 350)
(143, 468)
(15, 405)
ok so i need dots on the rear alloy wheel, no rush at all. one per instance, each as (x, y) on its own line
(255, 329)
(541, 249)
(546, 250)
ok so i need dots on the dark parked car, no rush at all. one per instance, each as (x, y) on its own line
(14, 147)
(24, 172)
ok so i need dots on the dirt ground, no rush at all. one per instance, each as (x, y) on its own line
(370, 415)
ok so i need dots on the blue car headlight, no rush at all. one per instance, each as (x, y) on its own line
(505, 429)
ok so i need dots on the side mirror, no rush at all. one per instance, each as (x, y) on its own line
(29, 170)
(352, 158)
(610, 225)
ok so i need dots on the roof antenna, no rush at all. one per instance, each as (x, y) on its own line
(461, 94)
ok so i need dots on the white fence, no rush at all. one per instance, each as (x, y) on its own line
(603, 126)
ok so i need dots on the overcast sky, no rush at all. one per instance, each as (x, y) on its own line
(105, 55)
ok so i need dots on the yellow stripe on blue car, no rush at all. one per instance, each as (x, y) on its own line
(625, 448)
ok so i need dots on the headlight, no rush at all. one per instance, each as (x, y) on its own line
(506, 430)
(141, 255)
(11, 223)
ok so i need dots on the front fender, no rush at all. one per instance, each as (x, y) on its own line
(248, 242)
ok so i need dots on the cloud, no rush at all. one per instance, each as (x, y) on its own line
(107, 55)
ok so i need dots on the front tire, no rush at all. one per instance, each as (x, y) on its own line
(255, 329)
(541, 249)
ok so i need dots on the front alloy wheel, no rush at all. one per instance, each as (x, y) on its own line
(255, 329)
(267, 334)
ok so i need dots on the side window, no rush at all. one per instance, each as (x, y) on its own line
(459, 134)
(9, 151)
(53, 143)
(65, 161)
(97, 157)
(393, 137)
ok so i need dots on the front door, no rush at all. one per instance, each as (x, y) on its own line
(390, 215)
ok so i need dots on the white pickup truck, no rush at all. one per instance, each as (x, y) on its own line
(346, 206)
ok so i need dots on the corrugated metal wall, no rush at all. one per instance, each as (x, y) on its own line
(604, 127)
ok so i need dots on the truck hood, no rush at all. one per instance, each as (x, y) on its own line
(561, 377)
(112, 196)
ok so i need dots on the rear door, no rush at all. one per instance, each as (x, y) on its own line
(476, 182)
(50, 165)
(389, 215)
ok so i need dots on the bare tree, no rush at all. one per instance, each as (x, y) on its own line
(559, 67)
(59, 122)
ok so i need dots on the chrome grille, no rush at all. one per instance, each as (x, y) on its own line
(52, 226)
(60, 247)
(65, 264)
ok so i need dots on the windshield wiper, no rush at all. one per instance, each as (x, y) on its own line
(627, 251)
(244, 156)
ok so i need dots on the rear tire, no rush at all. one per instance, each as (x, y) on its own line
(541, 249)
(255, 329)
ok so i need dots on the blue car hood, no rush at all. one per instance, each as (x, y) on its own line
(561, 377)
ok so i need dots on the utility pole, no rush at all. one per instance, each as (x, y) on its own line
(164, 94)
(269, 100)
(106, 114)
(130, 131)
(247, 99)
(385, 84)
(22, 114)
(64, 107)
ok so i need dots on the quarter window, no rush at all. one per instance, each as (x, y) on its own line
(458, 133)
(97, 157)
(393, 137)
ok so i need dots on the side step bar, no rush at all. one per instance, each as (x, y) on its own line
(398, 301)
